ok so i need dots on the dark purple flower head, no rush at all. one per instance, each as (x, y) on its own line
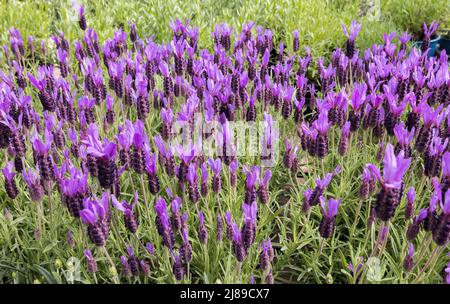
(394, 168)
(150, 164)
(265, 181)
(446, 164)
(250, 212)
(252, 176)
(353, 31)
(123, 206)
(428, 31)
(437, 146)
(34, 184)
(404, 38)
(125, 136)
(8, 171)
(322, 124)
(42, 148)
(216, 166)
(150, 248)
(95, 210)
(358, 96)
(323, 183)
(410, 195)
(106, 150)
(330, 208)
(401, 133)
(192, 174)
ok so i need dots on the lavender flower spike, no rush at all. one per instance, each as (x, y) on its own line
(392, 182)
(10, 183)
(329, 212)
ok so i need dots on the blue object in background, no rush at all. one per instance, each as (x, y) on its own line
(433, 45)
(444, 44)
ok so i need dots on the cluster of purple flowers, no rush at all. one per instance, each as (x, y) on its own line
(89, 94)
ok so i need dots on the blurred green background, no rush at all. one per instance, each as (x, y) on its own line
(318, 20)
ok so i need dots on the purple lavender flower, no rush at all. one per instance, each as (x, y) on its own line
(251, 178)
(322, 125)
(34, 185)
(216, 168)
(409, 210)
(248, 231)
(433, 156)
(41, 152)
(351, 36)
(202, 231)
(329, 212)
(204, 185)
(163, 222)
(447, 274)
(91, 263)
(105, 154)
(403, 139)
(392, 185)
(313, 197)
(238, 248)
(441, 227)
(128, 212)
(95, 215)
(343, 141)
(10, 183)
(192, 180)
(263, 190)
(150, 168)
(408, 262)
(428, 32)
(81, 18)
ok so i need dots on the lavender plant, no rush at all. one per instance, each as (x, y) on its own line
(154, 130)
